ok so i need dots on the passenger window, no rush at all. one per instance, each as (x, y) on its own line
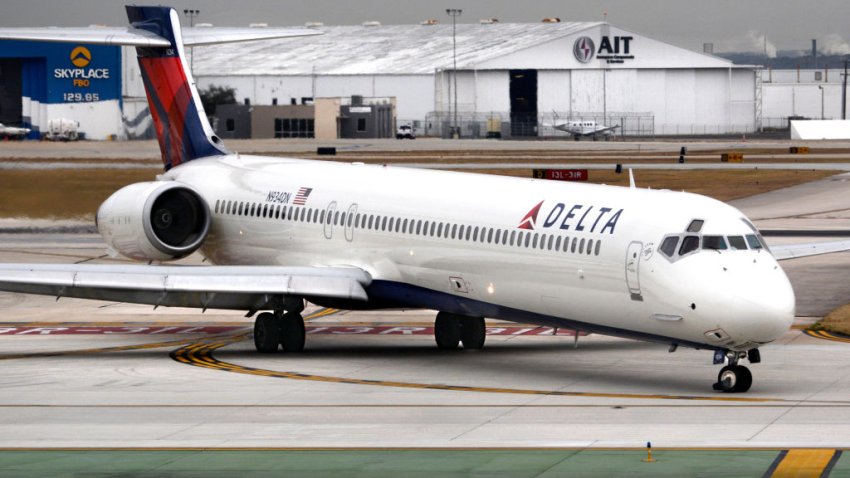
(528, 239)
(754, 242)
(589, 246)
(581, 247)
(490, 236)
(668, 246)
(475, 234)
(598, 246)
(513, 236)
(551, 239)
(384, 224)
(714, 243)
(534, 241)
(737, 243)
(695, 225)
(689, 244)
(575, 243)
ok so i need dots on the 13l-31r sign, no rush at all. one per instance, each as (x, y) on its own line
(561, 174)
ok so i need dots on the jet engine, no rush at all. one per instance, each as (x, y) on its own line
(161, 220)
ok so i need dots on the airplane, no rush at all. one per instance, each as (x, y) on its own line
(584, 128)
(669, 267)
(12, 132)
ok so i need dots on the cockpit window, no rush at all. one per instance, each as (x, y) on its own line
(695, 225)
(737, 242)
(714, 243)
(754, 242)
(668, 247)
(689, 244)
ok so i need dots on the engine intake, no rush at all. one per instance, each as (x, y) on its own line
(162, 220)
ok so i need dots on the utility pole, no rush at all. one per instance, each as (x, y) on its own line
(191, 13)
(454, 13)
(844, 93)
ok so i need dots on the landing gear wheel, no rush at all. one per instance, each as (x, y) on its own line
(447, 331)
(734, 379)
(472, 333)
(266, 333)
(292, 333)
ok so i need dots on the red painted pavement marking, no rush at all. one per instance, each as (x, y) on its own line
(311, 329)
(141, 330)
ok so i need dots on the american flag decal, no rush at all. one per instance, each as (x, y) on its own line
(301, 197)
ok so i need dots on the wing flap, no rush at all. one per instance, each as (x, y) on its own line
(225, 287)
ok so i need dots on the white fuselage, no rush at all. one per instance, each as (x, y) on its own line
(403, 226)
(582, 128)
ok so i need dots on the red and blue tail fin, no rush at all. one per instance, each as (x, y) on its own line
(182, 128)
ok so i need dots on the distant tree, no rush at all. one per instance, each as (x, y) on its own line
(217, 95)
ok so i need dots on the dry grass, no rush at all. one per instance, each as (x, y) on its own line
(62, 193)
(837, 321)
(724, 185)
(76, 194)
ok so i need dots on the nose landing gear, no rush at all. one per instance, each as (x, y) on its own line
(734, 378)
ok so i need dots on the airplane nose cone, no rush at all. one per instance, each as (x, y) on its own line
(767, 304)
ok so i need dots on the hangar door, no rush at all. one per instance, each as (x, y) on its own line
(10, 91)
(523, 91)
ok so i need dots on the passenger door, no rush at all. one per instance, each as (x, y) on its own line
(633, 255)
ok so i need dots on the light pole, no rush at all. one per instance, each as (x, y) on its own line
(820, 87)
(454, 13)
(191, 13)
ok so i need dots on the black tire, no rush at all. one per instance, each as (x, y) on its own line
(734, 379)
(292, 333)
(447, 331)
(472, 333)
(266, 333)
(745, 379)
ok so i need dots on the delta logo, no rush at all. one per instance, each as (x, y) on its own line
(576, 217)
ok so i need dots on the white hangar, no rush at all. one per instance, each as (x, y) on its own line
(511, 79)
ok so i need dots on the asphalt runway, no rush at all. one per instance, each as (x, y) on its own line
(106, 376)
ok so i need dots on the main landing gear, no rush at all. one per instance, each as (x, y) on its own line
(734, 378)
(283, 328)
(450, 330)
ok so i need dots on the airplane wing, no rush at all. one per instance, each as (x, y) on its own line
(218, 287)
(792, 251)
(129, 36)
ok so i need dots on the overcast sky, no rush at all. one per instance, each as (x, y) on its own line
(732, 25)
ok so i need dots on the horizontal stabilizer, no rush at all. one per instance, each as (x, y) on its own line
(142, 38)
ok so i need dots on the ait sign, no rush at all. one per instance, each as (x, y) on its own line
(612, 48)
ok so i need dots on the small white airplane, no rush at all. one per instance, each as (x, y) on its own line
(13, 132)
(668, 267)
(584, 128)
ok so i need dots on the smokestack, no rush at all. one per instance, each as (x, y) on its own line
(815, 52)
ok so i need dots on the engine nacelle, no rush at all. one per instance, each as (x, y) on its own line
(161, 220)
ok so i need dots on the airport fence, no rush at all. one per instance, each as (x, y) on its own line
(507, 125)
